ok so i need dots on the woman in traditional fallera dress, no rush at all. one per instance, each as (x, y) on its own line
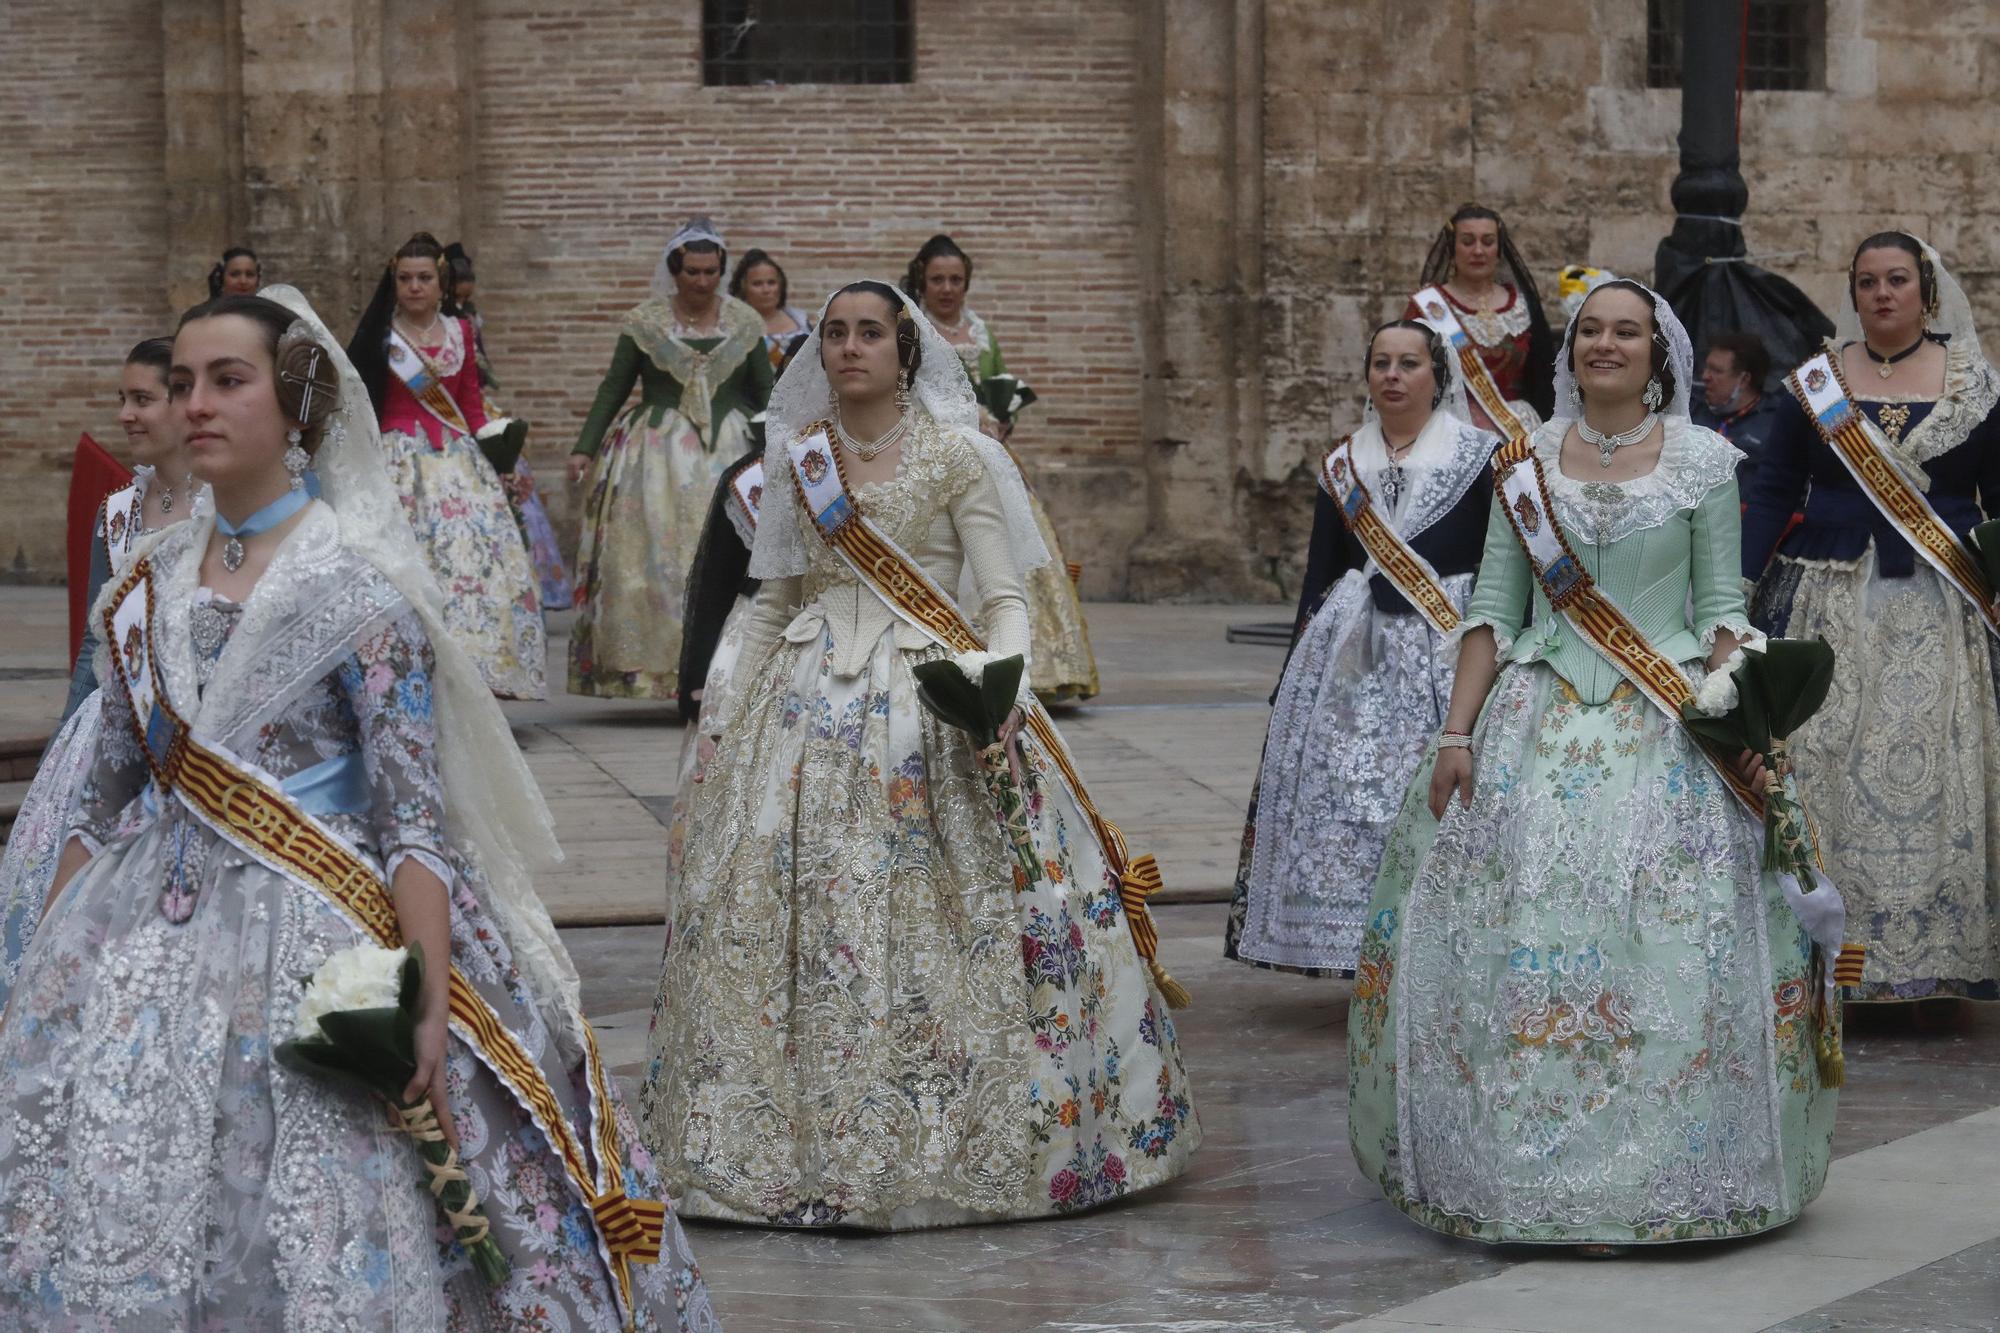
(1903, 764)
(861, 1021)
(160, 1170)
(698, 357)
(423, 378)
(1502, 314)
(1366, 684)
(552, 581)
(761, 284)
(163, 492)
(237, 273)
(1582, 1014)
(1065, 668)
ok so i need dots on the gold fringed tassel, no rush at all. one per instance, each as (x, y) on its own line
(1138, 881)
(1171, 991)
(1832, 1064)
(1826, 1025)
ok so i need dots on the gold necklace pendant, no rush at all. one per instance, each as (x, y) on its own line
(1886, 369)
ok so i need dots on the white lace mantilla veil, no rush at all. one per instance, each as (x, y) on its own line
(1680, 356)
(803, 396)
(494, 812)
(696, 229)
(1953, 317)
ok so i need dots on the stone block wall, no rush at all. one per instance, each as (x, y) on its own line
(1382, 118)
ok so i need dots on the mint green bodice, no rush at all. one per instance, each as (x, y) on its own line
(1665, 548)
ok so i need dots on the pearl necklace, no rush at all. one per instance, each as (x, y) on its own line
(419, 339)
(1608, 445)
(867, 450)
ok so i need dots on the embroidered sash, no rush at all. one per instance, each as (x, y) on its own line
(1523, 494)
(1859, 445)
(250, 810)
(1437, 312)
(421, 376)
(124, 514)
(1397, 559)
(917, 600)
(746, 491)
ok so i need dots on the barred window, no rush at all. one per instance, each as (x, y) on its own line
(805, 41)
(1784, 44)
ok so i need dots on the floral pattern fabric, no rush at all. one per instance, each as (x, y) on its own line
(1062, 668)
(1579, 1010)
(1364, 692)
(649, 490)
(861, 1022)
(1580, 1013)
(226, 1193)
(539, 535)
(466, 529)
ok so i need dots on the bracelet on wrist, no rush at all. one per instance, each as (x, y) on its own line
(1454, 740)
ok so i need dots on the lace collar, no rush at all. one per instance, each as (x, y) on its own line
(1445, 460)
(653, 325)
(312, 603)
(1971, 388)
(1693, 461)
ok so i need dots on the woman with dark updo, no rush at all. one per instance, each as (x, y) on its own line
(1903, 763)
(337, 785)
(1063, 667)
(1583, 1013)
(1493, 295)
(1369, 674)
(419, 363)
(237, 273)
(697, 356)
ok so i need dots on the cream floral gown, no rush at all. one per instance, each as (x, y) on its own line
(860, 1021)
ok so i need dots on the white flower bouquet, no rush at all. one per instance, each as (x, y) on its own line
(976, 692)
(357, 1023)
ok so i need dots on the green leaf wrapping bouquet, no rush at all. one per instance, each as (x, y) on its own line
(1757, 707)
(976, 692)
(1003, 396)
(1984, 544)
(356, 1024)
(502, 439)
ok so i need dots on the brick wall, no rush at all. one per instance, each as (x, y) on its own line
(82, 229)
(596, 138)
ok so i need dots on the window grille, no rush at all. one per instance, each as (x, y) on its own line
(805, 41)
(1784, 44)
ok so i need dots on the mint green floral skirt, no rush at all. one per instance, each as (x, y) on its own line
(1581, 1014)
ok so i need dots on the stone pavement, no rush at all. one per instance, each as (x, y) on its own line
(1273, 1230)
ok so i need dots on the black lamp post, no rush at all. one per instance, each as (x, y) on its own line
(1700, 267)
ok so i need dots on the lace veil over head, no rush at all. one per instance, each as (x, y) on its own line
(1666, 326)
(1951, 318)
(697, 229)
(494, 812)
(804, 396)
